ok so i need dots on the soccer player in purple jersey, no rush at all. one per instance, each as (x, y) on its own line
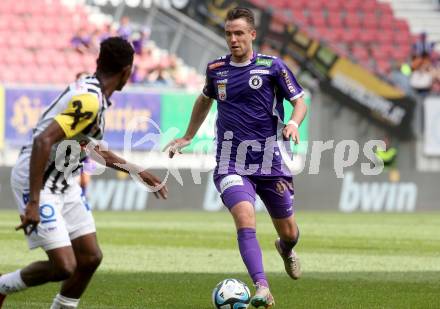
(250, 89)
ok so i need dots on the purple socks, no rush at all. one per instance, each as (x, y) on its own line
(251, 254)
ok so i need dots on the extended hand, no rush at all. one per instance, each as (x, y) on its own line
(290, 131)
(30, 219)
(159, 188)
(176, 145)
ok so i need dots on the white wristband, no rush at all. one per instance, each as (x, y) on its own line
(292, 122)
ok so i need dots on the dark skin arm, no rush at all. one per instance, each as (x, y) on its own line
(114, 161)
(40, 154)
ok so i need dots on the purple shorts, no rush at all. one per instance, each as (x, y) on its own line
(275, 191)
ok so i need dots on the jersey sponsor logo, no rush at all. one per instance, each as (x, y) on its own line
(222, 92)
(47, 213)
(230, 181)
(222, 73)
(255, 82)
(216, 65)
(262, 72)
(77, 114)
(222, 81)
(265, 62)
(268, 56)
(288, 81)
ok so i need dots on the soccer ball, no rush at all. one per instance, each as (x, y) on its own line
(231, 294)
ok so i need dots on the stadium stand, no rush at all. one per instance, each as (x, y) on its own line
(367, 30)
(52, 43)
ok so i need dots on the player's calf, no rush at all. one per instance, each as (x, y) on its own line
(291, 260)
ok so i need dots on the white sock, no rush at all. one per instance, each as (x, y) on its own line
(11, 283)
(63, 302)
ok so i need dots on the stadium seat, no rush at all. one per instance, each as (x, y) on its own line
(352, 20)
(369, 21)
(368, 6)
(334, 20)
(317, 19)
(360, 53)
(368, 36)
(350, 36)
(352, 6)
(332, 6)
(383, 67)
(386, 36)
(384, 9)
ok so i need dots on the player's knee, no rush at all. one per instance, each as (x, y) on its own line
(64, 270)
(91, 261)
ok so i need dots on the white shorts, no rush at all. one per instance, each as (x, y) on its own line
(63, 217)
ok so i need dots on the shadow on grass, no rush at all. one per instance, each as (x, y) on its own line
(193, 291)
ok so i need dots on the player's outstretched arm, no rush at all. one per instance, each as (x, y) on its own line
(41, 148)
(200, 111)
(298, 114)
(114, 161)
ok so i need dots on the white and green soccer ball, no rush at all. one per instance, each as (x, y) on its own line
(231, 294)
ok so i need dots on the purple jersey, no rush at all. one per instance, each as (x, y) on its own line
(250, 112)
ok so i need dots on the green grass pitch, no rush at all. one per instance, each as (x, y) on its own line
(164, 260)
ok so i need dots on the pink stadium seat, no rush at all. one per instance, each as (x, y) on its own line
(352, 20)
(368, 6)
(360, 53)
(350, 36)
(384, 9)
(298, 17)
(383, 66)
(385, 36)
(370, 20)
(401, 26)
(316, 5)
(296, 5)
(317, 19)
(334, 20)
(367, 36)
(352, 6)
(333, 6)
(386, 24)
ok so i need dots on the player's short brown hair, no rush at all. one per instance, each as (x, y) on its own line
(241, 12)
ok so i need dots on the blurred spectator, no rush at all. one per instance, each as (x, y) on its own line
(136, 76)
(80, 41)
(94, 42)
(139, 40)
(107, 32)
(160, 77)
(422, 79)
(125, 29)
(421, 51)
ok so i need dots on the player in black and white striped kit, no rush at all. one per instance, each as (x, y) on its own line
(53, 214)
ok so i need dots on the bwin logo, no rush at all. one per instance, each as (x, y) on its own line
(377, 196)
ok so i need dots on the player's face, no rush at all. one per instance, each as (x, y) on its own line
(125, 75)
(239, 36)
